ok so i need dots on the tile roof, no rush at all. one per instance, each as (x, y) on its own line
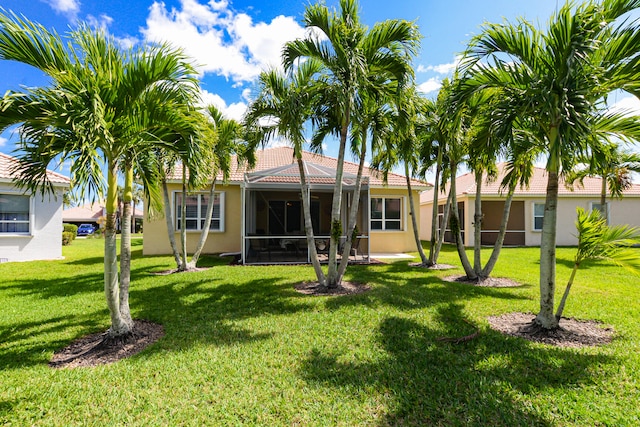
(465, 185)
(88, 212)
(321, 170)
(7, 163)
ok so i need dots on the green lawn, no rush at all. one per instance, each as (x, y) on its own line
(243, 348)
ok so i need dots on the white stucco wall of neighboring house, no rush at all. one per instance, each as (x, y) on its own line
(44, 240)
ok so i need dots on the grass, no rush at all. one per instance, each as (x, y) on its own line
(243, 348)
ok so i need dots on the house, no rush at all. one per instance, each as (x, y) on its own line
(94, 214)
(524, 227)
(30, 224)
(258, 213)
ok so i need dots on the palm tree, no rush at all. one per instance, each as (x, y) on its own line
(350, 55)
(283, 108)
(557, 78)
(404, 145)
(102, 106)
(614, 166)
(598, 241)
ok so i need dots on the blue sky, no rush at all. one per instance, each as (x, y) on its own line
(232, 41)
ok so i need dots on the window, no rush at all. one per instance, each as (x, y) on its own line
(386, 213)
(14, 214)
(196, 205)
(538, 216)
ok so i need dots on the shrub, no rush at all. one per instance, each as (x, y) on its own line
(67, 237)
(70, 228)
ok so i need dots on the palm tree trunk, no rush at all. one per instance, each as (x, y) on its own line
(435, 230)
(566, 291)
(308, 224)
(477, 226)
(545, 317)
(414, 222)
(445, 223)
(125, 245)
(333, 279)
(603, 201)
(353, 213)
(183, 222)
(168, 216)
(455, 229)
(497, 247)
(205, 230)
(111, 289)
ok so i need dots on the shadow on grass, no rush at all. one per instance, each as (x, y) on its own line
(405, 287)
(424, 381)
(24, 344)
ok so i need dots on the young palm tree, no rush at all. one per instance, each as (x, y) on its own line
(557, 78)
(102, 106)
(614, 166)
(283, 108)
(350, 55)
(598, 241)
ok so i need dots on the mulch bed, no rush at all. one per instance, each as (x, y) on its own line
(346, 288)
(432, 267)
(489, 282)
(95, 349)
(570, 333)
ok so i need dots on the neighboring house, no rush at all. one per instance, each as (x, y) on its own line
(30, 224)
(527, 209)
(258, 213)
(94, 214)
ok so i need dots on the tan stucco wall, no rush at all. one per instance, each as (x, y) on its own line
(624, 211)
(396, 241)
(156, 242)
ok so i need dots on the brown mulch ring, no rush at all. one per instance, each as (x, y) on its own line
(175, 270)
(94, 350)
(432, 267)
(346, 288)
(489, 282)
(571, 332)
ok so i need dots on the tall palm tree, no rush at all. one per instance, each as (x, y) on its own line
(102, 106)
(404, 145)
(557, 78)
(350, 55)
(284, 108)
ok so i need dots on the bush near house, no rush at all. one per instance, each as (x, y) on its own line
(70, 228)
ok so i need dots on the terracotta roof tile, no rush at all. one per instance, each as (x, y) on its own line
(7, 163)
(465, 185)
(272, 158)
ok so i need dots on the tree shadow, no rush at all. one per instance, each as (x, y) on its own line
(476, 383)
(394, 288)
(25, 344)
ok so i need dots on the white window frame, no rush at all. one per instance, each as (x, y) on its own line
(29, 221)
(202, 210)
(534, 216)
(607, 206)
(384, 220)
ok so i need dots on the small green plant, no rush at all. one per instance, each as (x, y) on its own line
(67, 238)
(70, 228)
(598, 241)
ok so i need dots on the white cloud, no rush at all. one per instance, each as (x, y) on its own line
(220, 40)
(430, 85)
(70, 8)
(102, 22)
(629, 105)
(441, 68)
(233, 111)
(3, 141)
